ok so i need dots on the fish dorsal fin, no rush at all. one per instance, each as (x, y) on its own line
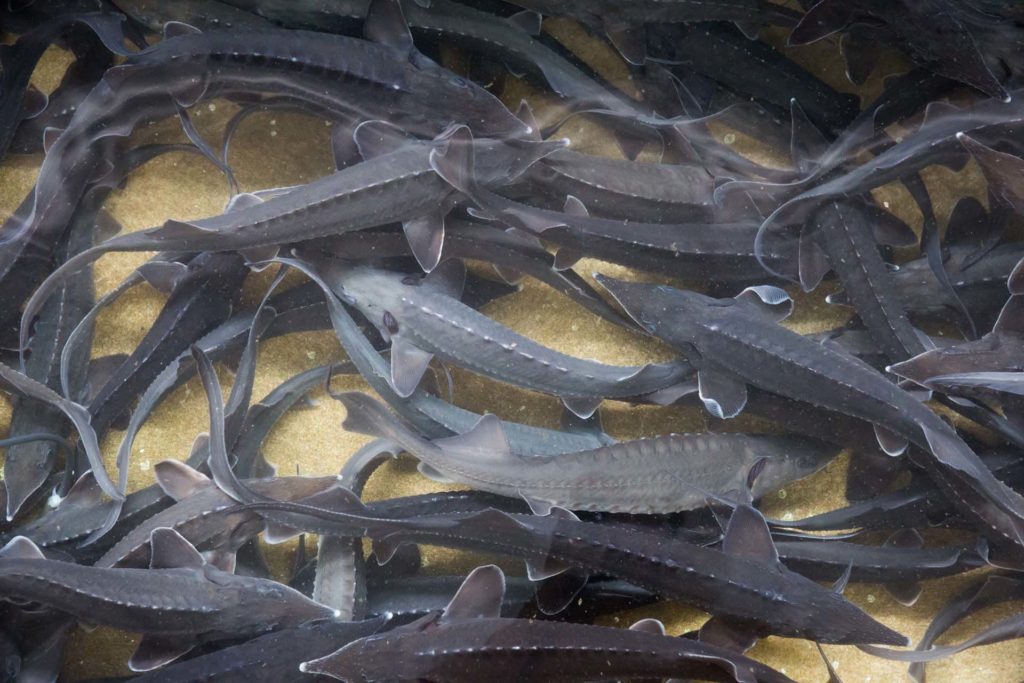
(178, 480)
(86, 493)
(426, 238)
(1001, 170)
(938, 110)
(408, 364)
(454, 159)
(806, 144)
(448, 278)
(385, 24)
(377, 138)
(582, 406)
(812, 260)
(574, 207)
(21, 548)
(528, 21)
(200, 451)
(170, 550)
(905, 538)
(652, 626)
(50, 135)
(1011, 318)
(768, 301)
(480, 595)
(747, 535)
(242, 200)
(163, 276)
(173, 29)
(526, 115)
(485, 441)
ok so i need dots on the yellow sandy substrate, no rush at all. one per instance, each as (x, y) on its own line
(275, 149)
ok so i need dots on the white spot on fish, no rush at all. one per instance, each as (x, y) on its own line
(782, 494)
(729, 138)
(211, 106)
(311, 355)
(871, 598)
(54, 500)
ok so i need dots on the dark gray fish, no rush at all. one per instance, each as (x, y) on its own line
(843, 238)
(361, 196)
(718, 251)
(760, 592)
(623, 22)
(271, 658)
(204, 515)
(617, 188)
(179, 602)
(469, 641)
(935, 33)
(998, 352)
(203, 14)
(18, 61)
(739, 341)
(424, 319)
(739, 582)
(433, 416)
(661, 474)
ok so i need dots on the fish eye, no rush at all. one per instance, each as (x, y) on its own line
(458, 82)
(411, 281)
(390, 323)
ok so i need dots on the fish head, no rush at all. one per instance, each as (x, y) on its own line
(378, 657)
(269, 603)
(671, 314)
(800, 458)
(375, 292)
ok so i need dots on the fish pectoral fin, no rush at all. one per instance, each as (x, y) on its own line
(486, 441)
(566, 258)
(726, 634)
(154, 651)
(178, 480)
(385, 24)
(480, 595)
(385, 548)
(630, 40)
(906, 593)
(538, 569)
(582, 406)
(723, 395)
(408, 364)
(170, 550)
(767, 301)
(434, 474)
(425, 235)
(893, 444)
(553, 595)
(163, 276)
(747, 535)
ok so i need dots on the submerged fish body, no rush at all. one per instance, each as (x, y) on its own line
(423, 323)
(662, 474)
(738, 342)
